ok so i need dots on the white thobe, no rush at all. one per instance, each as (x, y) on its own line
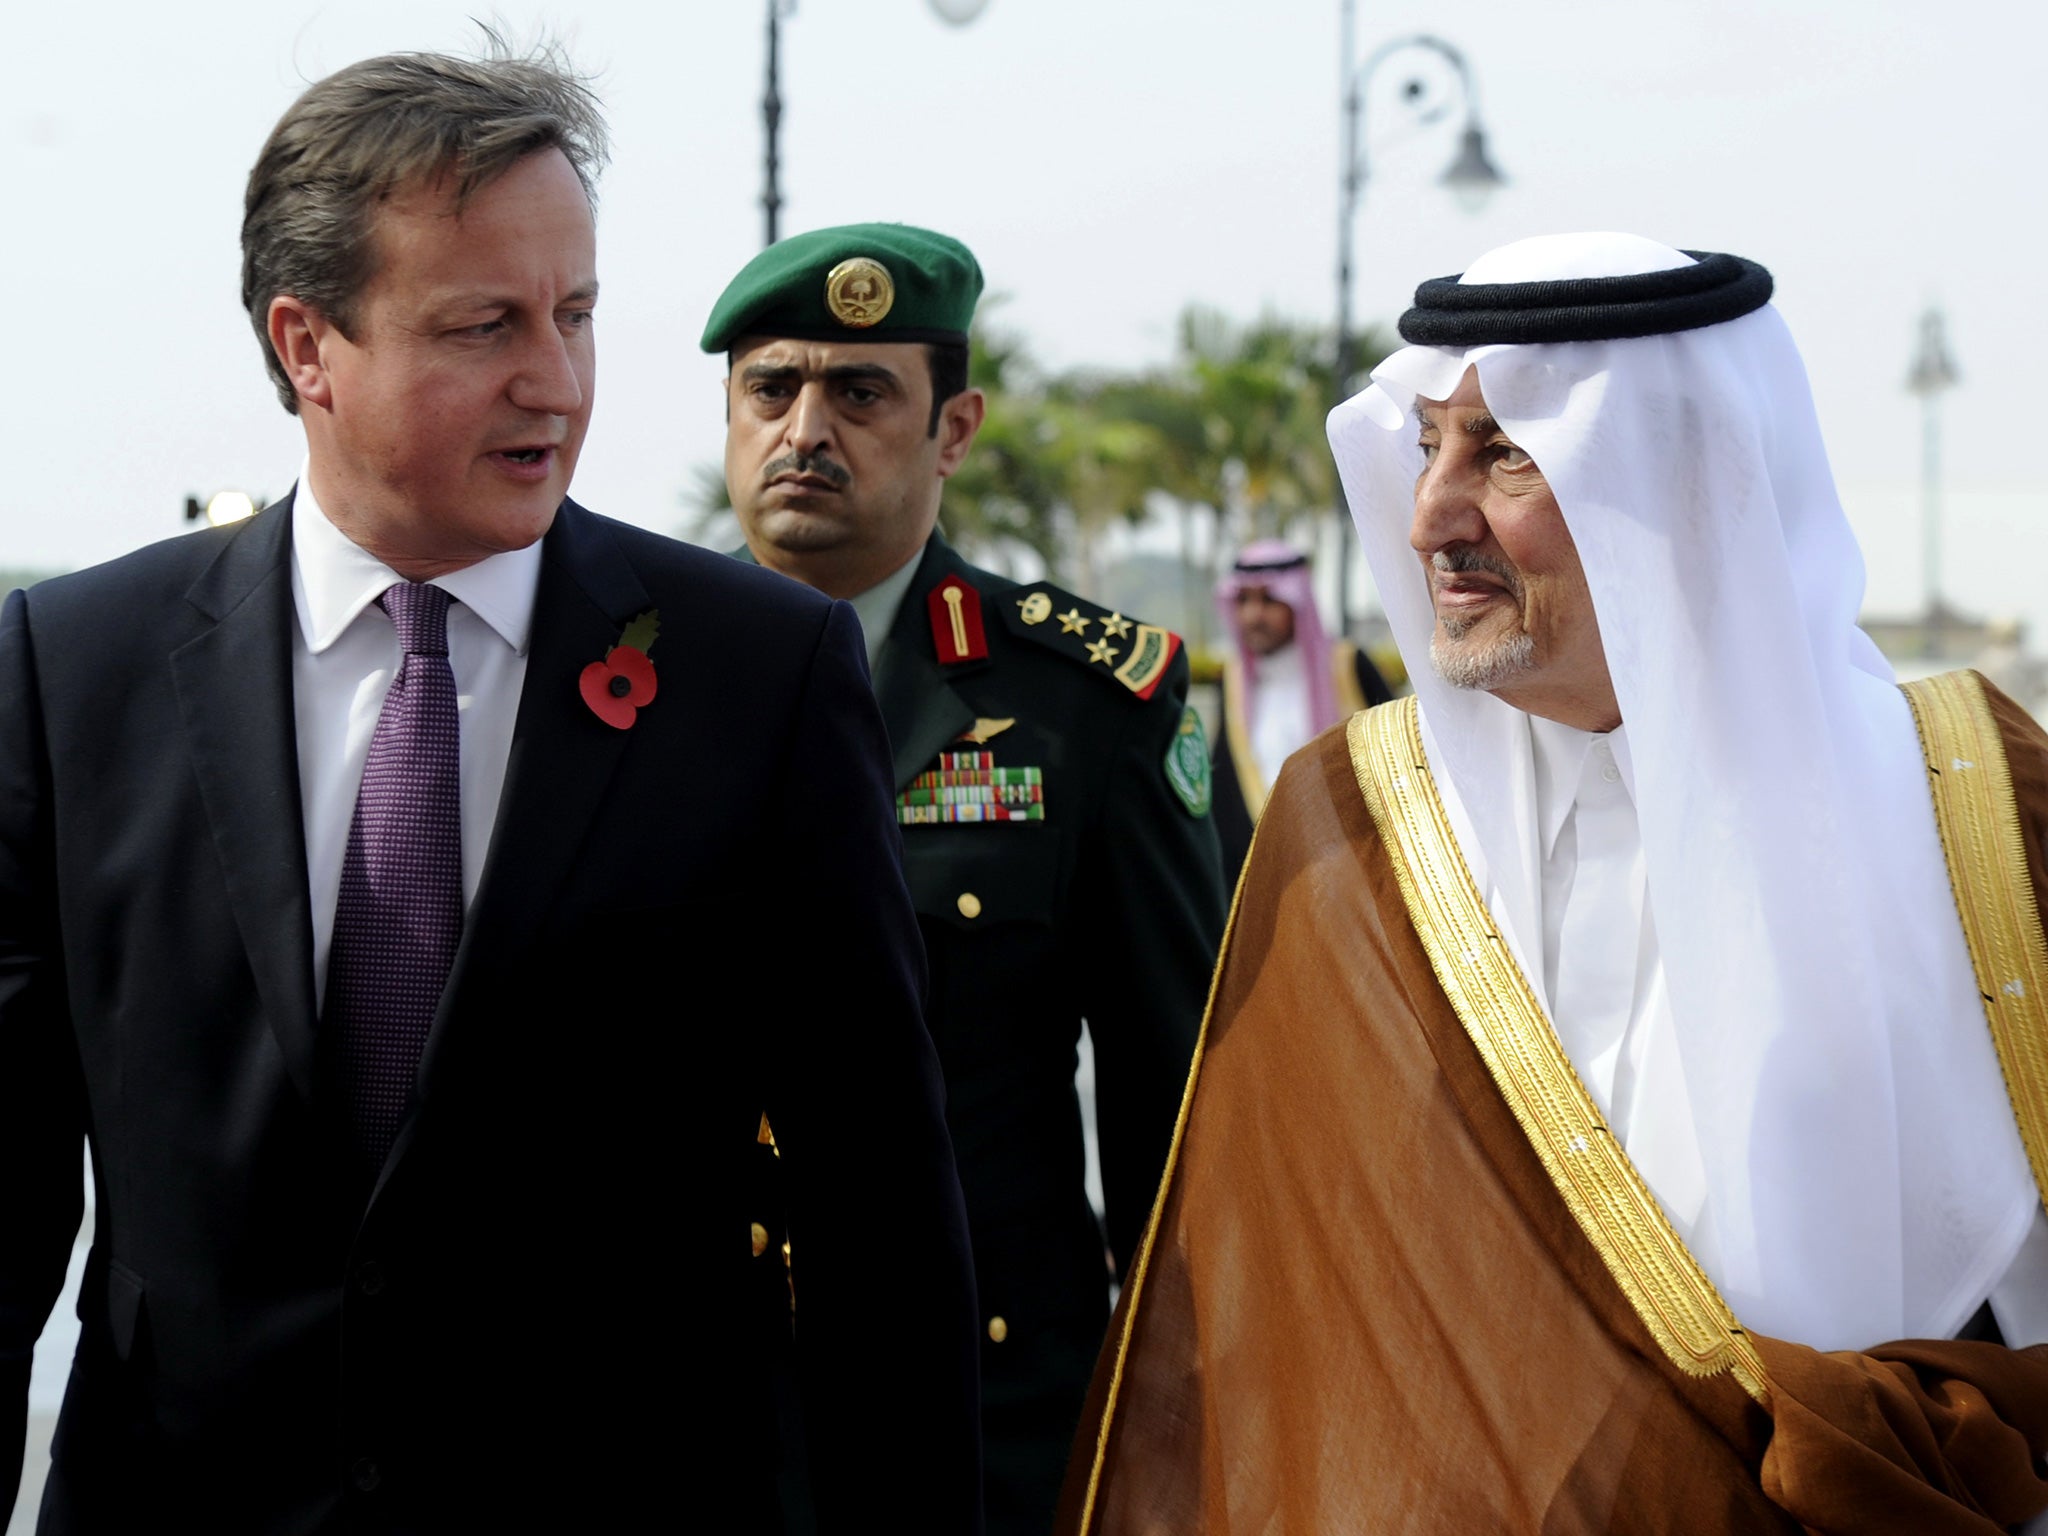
(1281, 718)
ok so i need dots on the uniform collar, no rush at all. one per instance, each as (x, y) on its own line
(877, 607)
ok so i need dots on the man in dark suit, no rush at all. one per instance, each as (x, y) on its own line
(408, 938)
(1052, 785)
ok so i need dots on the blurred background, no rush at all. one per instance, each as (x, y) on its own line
(1154, 188)
(1160, 192)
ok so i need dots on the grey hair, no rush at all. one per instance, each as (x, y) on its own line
(376, 128)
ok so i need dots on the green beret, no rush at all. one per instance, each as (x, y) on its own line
(858, 282)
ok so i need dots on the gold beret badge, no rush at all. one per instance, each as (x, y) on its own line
(859, 292)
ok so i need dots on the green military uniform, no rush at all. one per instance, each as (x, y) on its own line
(1107, 905)
(1110, 908)
(1053, 794)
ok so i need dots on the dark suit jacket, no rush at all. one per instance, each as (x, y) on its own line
(1111, 908)
(527, 1318)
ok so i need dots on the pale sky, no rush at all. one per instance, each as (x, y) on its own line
(1109, 161)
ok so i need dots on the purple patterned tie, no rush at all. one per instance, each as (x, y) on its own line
(399, 915)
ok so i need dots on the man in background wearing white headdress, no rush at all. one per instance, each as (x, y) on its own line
(1284, 681)
(1597, 1126)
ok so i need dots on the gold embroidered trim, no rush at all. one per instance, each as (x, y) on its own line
(1251, 783)
(1135, 1282)
(1599, 1185)
(1986, 850)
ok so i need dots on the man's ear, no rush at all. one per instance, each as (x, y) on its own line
(298, 333)
(959, 419)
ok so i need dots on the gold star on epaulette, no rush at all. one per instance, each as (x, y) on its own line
(1131, 653)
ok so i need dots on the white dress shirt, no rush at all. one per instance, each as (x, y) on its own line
(1603, 981)
(344, 655)
(1597, 932)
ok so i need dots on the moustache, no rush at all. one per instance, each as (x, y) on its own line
(1466, 558)
(807, 464)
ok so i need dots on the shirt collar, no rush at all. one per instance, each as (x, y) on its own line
(876, 608)
(1560, 753)
(334, 579)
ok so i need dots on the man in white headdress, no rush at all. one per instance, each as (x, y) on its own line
(1284, 680)
(1597, 1126)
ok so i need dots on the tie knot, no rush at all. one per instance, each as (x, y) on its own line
(419, 612)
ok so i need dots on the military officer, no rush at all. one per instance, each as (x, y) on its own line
(1053, 793)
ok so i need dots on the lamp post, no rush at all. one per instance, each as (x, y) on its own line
(1933, 372)
(1471, 176)
(771, 120)
(958, 12)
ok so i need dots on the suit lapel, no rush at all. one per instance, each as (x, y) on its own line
(234, 685)
(919, 705)
(561, 761)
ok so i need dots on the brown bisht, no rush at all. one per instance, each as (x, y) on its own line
(1401, 1280)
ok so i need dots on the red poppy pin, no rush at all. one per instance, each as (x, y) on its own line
(617, 687)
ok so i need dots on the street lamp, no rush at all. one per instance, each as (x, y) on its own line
(1932, 374)
(957, 12)
(771, 116)
(222, 508)
(1471, 177)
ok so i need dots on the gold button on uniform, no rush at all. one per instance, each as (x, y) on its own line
(760, 1239)
(969, 904)
(998, 1330)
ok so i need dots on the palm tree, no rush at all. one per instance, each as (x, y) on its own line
(1237, 424)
